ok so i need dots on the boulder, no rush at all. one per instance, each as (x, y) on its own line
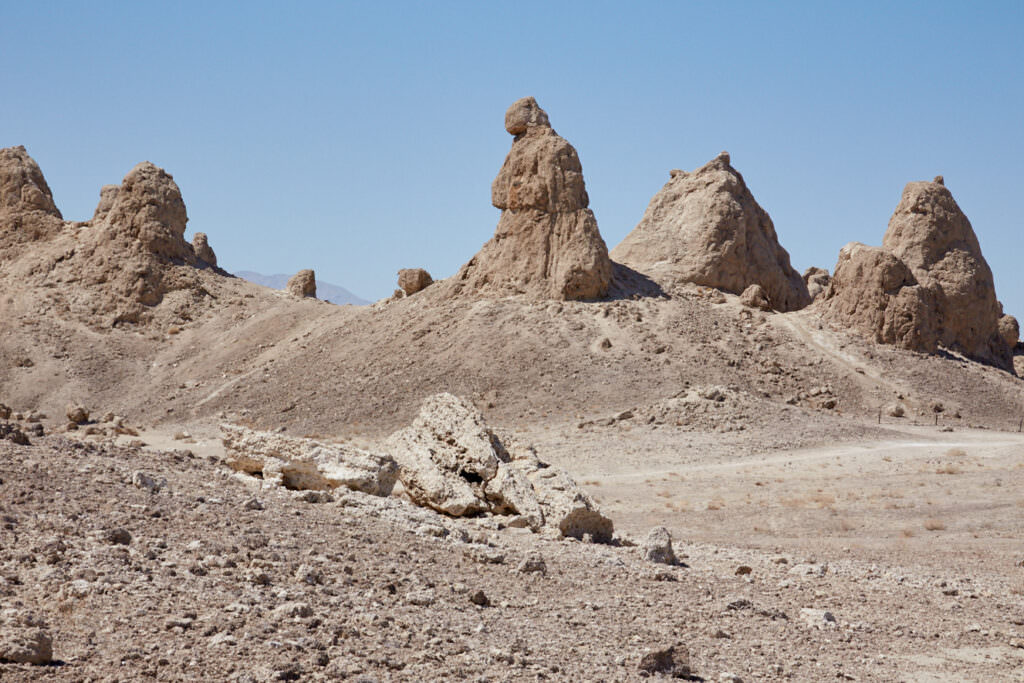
(817, 281)
(706, 227)
(305, 464)
(451, 461)
(202, 249)
(547, 244)
(25, 645)
(302, 284)
(657, 547)
(1009, 331)
(754, 297)
(24, 638)
(412, 280)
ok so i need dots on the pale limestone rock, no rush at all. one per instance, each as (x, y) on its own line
(451, 461)
(299, 463)
(412, 280)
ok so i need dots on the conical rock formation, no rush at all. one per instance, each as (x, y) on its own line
(111, 268)
(27, 210)
(547, 245)
(928, 285)
(930, 233)
(706, 227)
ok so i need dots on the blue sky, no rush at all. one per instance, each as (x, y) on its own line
(360, 138)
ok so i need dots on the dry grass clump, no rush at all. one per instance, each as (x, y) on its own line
(956, 453)
(948, 468)
(716, 504)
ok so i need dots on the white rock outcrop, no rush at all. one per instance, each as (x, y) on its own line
(298, 463)
(451, 461)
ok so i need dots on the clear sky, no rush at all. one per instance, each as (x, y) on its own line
(360, 138)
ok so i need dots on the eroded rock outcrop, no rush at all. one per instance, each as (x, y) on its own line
(27, 209)
(302, 284)
(547, 245)
(706, 227)
(876, 293)
(307, 464)
(927, 286)
(817, 281)
(451, 461)
(202, 249)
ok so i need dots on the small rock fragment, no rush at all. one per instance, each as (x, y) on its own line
(673, 661)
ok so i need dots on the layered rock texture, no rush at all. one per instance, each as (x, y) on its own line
(109, 269)
(306, 464)
(706, 227)
(927, 286)
(547, 245)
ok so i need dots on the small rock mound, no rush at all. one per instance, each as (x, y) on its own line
(927, 286)
(302, 284)
(547, 245)
(413, 280)
(657, 547)
(24, 639)
(672, 661)
(706, 227)
(451, 461)
(1009, 330)
(754, 297)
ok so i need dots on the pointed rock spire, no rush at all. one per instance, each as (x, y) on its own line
(547, 244)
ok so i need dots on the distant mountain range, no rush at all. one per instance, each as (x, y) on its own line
(324, 290)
